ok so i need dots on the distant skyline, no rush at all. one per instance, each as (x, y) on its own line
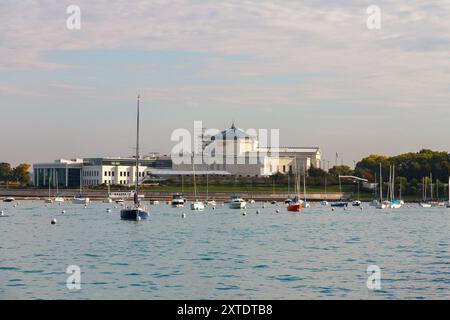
(309, 68)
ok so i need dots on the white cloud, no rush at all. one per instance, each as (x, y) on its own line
(403, 65)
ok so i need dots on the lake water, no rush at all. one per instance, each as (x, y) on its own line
(221, 254)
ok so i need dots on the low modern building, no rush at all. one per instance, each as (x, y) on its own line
(97, 171)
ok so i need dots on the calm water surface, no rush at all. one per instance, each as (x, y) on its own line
(221, 254)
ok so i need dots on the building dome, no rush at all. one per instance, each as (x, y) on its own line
(232, 133)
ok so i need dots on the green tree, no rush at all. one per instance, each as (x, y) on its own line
(5, 172)
(21, 173)
(341, 171)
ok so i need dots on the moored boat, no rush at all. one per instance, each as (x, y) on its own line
(80, 199)
(356, 203)
(137, 212)
(237, 203)
(177, 201)
(339, 204)
(9, 199)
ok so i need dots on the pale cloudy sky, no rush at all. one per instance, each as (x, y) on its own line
(310, 68)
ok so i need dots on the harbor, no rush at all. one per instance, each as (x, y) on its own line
(269, 253)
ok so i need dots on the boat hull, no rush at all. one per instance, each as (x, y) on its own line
(81, 201)
(238, 205)
(295, 207)
(340, 204)
(133, 214)
(9, 200)
(197, 206)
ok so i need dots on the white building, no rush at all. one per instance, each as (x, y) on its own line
(238, 153)
(96, 171)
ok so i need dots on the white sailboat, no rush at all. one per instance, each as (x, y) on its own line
(394, 204)
(196, 205)
(305, 203)
(448, 202)
(108, 200)
(207, 201)
(58, 198)
(381, 204)
(49, 199)
(424, 204)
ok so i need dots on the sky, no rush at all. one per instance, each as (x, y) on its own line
(311, 69)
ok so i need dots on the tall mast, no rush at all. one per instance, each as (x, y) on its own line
(381, 185)
(136, 198)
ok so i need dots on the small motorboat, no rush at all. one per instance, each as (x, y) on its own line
(287, 201)
(108, 200)
(210, 203)
(178, 201)
(80, 199)
(197, 206)
(154, 202)
(120, 201)
(356, 203)
(237, 203)
(9, 199)
(324, 203)
(251, 201)
(273, 202)
(49, 200)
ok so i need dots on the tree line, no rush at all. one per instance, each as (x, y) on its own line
(19, 174)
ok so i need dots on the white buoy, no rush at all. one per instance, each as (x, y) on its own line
(108, 210)
(2, 213)
(54, 221)
(258, 212)
(63, 212)
(332, 209)
(263, 206)
(183, 216)
(277, 211)
(214, 208)
(138, 218)
(244, 214)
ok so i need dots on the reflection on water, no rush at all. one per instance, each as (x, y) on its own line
(221, 254)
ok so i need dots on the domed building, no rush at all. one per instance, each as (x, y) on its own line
(237, 152)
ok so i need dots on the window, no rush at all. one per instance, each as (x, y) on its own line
(284, 168)
(121, 175)
(106, 173)
(128, 173)
(113, 173)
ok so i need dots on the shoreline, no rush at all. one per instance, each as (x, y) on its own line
(260, 196)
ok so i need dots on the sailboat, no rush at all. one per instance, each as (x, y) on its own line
(108, 200)
(296, 204)
(340, 204)
(207, 201)
(58, 198)
(382, 204)
(49, 199)
(448, 202)
(357, 203)
(137, 212)
(196, 205)
(325, 201)
(424, 204)
(288, 200)
(305, 203)
(394, 204)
